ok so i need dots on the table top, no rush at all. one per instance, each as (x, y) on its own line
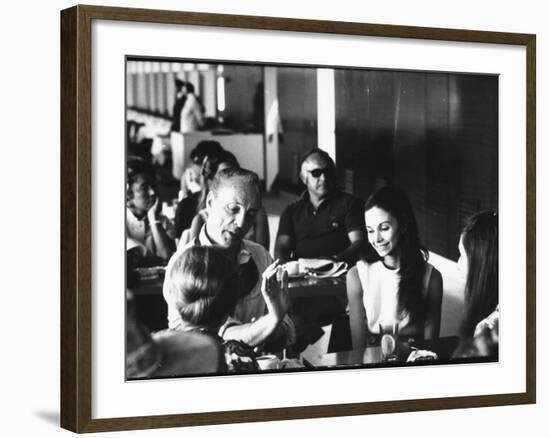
(372, 356)
(310, 286)
(307, 286)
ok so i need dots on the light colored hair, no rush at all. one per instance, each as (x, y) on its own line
(321, 155)
(224, 177)
(205, 285)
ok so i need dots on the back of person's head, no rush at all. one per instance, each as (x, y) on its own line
(411, 252)
(205, 148)
(138, 166)
(480, 241)
(233, 174)
(212, 164)
(205, 285)
(190, 87)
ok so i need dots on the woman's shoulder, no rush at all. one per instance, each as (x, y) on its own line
(352, 272)
(354, 287)
(368, 264)
(364, 266)
(363, 270)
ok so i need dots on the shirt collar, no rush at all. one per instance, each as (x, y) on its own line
(304, 197)
(243, 256)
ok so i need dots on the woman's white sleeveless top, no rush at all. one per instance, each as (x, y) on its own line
(380, 293)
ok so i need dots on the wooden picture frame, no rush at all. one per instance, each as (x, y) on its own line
(76, 217)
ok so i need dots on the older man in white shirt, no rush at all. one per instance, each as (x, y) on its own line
(232, 203)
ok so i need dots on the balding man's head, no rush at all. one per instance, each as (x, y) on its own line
(232, 203)
(234, 175)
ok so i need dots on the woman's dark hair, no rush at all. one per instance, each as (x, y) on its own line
(205, 148)
(190, 87)
(136, 166)
(205, 285)
(480, 241)
(210, 168)
(412, 254)
(179, 84)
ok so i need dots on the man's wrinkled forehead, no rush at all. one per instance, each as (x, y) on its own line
(241, 191)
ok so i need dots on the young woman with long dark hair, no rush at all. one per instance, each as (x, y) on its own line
(400, 285)
(478, 248)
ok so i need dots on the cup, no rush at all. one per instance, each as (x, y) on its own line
(268, 362)
(293, 268)
(388, 339)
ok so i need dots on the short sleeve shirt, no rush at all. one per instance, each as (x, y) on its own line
(322, 232)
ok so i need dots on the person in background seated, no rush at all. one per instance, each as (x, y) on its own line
(205, 149)
(191, 182)
(260, 316)
(146, 240)
(188, 207)
(401, 286)
(324, 223)
(478, 263)
(204, 285)
(259, 231)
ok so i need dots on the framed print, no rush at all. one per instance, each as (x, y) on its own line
(196, 148)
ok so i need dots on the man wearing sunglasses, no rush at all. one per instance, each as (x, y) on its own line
(324, 223)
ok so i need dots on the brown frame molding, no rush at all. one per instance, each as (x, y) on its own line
(76, 173)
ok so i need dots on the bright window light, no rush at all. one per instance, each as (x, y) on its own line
(221, 94)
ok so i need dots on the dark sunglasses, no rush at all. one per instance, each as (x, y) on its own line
(316, 173)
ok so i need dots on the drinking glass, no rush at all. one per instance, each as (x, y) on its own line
(388, 339)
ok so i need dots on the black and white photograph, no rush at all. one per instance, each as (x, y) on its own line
(286, 218)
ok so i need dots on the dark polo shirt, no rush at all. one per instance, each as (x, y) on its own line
(185, 212)
(322, 232)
